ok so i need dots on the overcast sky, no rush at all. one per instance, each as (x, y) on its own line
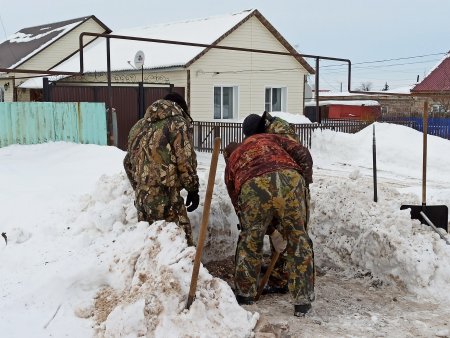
(359, 30)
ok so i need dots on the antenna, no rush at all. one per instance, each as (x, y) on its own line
(129, 62)
(139, 59)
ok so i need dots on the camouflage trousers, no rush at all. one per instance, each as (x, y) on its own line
(278, 196)
(163, 203)
(279, 276)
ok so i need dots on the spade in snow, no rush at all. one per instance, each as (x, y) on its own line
(435, 216)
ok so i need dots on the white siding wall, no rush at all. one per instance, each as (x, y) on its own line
(62, 48)
(252, 72)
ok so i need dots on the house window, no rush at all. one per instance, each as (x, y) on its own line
(384, 110)
(225, 102)
(275, 99)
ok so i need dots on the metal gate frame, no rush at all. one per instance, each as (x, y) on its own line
(129, 102)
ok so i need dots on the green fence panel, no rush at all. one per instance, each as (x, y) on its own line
(39, 122)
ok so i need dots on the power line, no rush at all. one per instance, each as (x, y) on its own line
(386, 60)
(384, 66)
(3, 26)
(6, 38)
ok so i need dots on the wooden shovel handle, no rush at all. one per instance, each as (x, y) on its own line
(204, 224)
(266, 276)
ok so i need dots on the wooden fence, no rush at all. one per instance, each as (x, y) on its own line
(39, 122)
(205, 132)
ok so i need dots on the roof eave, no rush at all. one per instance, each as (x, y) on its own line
(82, 22)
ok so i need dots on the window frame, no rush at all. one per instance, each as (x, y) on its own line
(284, 98)
(235, 90)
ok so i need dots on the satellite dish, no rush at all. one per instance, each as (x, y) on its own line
(139, 59)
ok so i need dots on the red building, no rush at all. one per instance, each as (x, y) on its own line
(342, 109)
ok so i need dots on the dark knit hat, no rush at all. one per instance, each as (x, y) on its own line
(253, 124)
(177, 98)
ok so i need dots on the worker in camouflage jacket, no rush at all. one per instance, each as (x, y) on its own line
(161, 161)
(266, 177)
(278, 280)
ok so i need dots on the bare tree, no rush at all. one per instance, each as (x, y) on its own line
(365, 86)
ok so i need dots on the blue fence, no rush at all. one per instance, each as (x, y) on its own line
(439, 126)
(39, 122)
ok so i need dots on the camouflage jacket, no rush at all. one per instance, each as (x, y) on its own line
(276, 125)
(160, 152)
(263, 153)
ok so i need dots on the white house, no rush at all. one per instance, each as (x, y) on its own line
(219, 85)
(40, 48)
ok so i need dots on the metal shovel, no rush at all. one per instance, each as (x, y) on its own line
(436, 214)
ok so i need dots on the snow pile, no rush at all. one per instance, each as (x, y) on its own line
(354, 234)
(399, 151)
(77, 263)
(149, 273)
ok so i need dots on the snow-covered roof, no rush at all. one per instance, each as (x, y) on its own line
(28, 42)
(33, 83)
(157, 55)
(399, 90)
(343, 103)
(208, 31)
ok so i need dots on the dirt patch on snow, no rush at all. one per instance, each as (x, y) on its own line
(360, 306)
(105, 301)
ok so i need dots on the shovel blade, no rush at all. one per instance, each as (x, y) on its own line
(438, 214)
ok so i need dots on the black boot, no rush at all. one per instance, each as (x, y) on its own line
(275, 289)
(244, 300)
(301, 310)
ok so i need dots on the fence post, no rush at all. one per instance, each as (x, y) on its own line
(216, 131)
(46, 89)
(141, 98)
(199, 136)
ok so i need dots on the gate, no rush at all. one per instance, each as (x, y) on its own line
(127, 101)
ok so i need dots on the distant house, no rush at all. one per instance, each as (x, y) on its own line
(397, 101)
(219, 85)
(367, 110)
(42, 48)
(436, 86)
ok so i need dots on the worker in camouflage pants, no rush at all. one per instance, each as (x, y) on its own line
(278, 280)
(266, 177)
(161, 161)
(278, 195)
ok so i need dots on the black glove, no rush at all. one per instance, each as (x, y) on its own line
(192, 200)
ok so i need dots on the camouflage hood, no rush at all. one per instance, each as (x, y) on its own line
(276, 125)
(163, 109)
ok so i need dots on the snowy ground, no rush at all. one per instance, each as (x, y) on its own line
(78, 264)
